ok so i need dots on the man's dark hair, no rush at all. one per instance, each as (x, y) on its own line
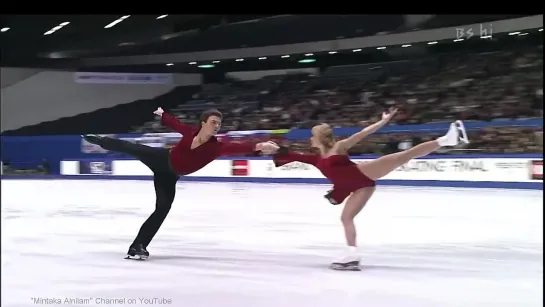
(212, 112)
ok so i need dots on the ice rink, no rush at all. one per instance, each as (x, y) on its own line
(268, 245)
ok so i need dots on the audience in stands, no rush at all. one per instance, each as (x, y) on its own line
(503, 85)
(489, 140)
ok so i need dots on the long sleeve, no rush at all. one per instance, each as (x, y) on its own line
(285, 158)
(173, 123)
(244, 148)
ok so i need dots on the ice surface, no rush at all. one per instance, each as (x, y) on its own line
(267, 245)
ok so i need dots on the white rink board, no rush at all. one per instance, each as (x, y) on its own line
(518, 170)
(513, 170)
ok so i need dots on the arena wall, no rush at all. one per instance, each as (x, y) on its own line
(524, 171)
(50, 95)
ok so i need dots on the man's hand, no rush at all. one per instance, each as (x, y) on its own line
(159, 111)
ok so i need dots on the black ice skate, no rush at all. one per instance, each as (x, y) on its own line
(137, 252)
(346, 266)
(93, 139)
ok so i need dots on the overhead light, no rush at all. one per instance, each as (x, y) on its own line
(162, 16)
(170, 64)
(332, 52)
(432, 43)
(406, 45)
(239, 60)
(52, 30)
(356, 50)
(5, 29)
(487, 36)
(540, 30)
(522, 34)
(56, 28)
(307, 61)
(215, 62)
(285, 56)
(309, 54)
(262, 58)
(458, 40)
(207, 66)
(514, 33)
(192, 63)
(113, 23)
(381, 48)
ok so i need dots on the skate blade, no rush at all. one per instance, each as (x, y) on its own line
(462, 129)
(136, 257)
(345, 267)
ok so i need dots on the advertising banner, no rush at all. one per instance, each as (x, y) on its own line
(121, 78)
(536, 172)
(240, 168)
(95, 167)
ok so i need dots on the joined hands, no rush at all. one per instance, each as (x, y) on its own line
(267, 148)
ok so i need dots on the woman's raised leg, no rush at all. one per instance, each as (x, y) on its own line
(384, 165)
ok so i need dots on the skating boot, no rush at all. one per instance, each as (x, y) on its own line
(349, 262)
(455, 135)
(137, 252)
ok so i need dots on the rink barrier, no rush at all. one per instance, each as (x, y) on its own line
(407, 183)
(470, 171)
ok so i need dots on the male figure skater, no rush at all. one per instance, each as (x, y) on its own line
(196, 149)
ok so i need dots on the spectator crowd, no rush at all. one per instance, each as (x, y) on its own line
(493, 87)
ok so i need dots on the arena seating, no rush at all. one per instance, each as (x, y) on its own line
(490, 87)
(492, 82)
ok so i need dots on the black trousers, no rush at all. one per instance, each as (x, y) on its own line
(164, 180)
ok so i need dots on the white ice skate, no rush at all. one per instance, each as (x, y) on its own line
(350, 261)
(455, 135)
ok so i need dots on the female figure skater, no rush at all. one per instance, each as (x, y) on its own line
(357, 181)
(196, 149)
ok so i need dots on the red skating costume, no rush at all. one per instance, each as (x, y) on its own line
(339, 169)
(185, 160)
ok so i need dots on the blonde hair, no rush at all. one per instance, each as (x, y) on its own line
(324, 132)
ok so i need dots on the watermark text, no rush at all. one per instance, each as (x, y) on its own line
(105, 301)
(480, 31)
